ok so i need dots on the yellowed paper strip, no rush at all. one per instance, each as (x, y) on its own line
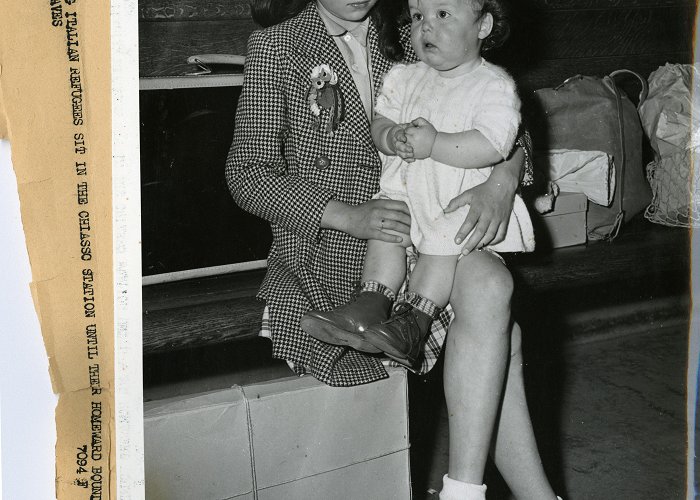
(56, 111)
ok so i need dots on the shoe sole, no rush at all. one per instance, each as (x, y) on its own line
(331, 334)
(378, 342)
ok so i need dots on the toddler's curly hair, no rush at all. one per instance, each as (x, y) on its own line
(501, 21)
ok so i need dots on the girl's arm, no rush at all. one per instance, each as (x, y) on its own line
(374, 219)
(256, 171)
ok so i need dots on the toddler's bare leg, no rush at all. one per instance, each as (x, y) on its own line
(385, 263)
(402, 336)
(433, 276)
(347, 324)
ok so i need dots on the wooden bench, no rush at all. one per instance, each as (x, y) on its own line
(643, 274)
(646, 263)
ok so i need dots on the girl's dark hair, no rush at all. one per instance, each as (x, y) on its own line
(387, 15)
(269, 12)
(501, 22)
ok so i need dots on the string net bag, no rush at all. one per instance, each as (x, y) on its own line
(670, 117)
(675, 187)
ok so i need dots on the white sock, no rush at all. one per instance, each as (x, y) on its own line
(458, 490)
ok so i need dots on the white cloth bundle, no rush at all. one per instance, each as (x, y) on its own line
(589, 172)
(670, 114)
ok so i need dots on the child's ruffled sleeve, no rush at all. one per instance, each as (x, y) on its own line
(498, 115)
(390, 99)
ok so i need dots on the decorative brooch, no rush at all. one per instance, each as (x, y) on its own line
(325, 99)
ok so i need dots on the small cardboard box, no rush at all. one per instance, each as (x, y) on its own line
(565, 225)
(292, 438)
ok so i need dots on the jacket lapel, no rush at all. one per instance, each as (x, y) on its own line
(315, 46)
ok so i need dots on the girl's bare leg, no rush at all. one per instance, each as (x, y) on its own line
(514, 448)
(476, 355)
(480, 378)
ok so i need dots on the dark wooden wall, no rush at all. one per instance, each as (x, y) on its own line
(188, 217)
(552, 39)
(555, 39)
(172, 30)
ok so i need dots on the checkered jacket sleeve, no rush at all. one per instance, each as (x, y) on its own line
(257, 172)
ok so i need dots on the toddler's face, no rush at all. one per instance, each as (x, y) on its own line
(349, 10)
(447, 34)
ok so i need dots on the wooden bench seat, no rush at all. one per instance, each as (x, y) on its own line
(646, 262)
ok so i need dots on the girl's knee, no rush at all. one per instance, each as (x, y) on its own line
(486, 276)
(498, 283)
(481, 298)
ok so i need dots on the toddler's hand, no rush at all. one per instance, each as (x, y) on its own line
(421, 137)
(397, 135)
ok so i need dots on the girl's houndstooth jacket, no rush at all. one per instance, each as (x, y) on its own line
(284, 170)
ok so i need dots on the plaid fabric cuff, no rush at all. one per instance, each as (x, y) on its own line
(373, 286)
(424, 305)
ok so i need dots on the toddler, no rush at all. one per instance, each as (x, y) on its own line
(440, 124)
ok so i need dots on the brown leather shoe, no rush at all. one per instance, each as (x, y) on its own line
(402, 336)
(347, 324)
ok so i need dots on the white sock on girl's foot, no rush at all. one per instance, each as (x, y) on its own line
(458, 490)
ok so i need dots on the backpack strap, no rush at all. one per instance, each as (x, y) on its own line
(614, 230)
(643, 93)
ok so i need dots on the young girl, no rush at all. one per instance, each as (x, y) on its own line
(475, 106)
(302, 158)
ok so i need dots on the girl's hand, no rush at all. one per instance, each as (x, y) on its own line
(491, 204)
(385, 220)
(421, 137)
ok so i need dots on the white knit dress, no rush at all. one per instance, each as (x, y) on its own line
(484, 99)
